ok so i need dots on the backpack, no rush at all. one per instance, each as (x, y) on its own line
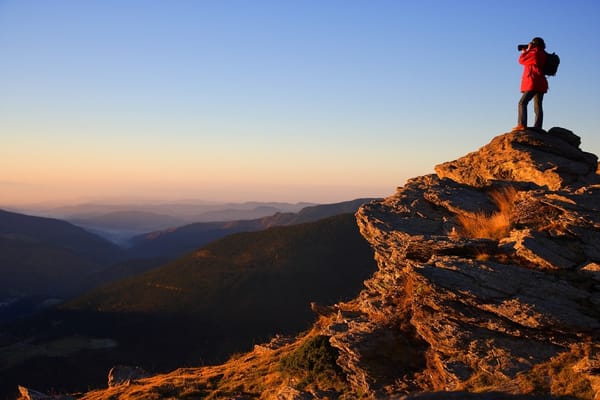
(551, 65)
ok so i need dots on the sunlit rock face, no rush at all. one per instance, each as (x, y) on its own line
(552, 160)
(488, 271)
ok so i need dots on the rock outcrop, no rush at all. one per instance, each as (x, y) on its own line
(488, 275)
(488, 287)
(125, 375)
(551, 159)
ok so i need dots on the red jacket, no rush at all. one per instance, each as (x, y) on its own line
(533, 79)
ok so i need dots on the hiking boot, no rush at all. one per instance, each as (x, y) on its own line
(519, 128)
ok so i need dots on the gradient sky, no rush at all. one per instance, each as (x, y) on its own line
(271, 100)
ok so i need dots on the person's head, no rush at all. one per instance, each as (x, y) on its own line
(538, 42)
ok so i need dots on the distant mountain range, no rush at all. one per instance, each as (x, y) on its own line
(120, 226)
(216, 300)
(189, 209)
(45, 256)
(58, 233)
(173, 242)
(120, 222)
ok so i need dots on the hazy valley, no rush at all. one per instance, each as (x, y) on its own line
(119, 222)
(45, 257)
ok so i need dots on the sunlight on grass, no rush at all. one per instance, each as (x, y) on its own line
(490, 226)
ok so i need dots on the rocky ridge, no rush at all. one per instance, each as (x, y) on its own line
(488, 287)
(487, 308)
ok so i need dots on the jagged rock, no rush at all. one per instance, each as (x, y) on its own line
(592, 270)
(125, 375)
(551, 159)
(494, 306)
(321, 309)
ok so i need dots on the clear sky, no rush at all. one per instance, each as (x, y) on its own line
(310, 100)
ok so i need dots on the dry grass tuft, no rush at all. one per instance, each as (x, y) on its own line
(490, 226)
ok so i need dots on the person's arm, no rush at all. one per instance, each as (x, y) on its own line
(527, 56)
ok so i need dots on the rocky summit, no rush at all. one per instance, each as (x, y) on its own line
(488, 287)
(492, 265)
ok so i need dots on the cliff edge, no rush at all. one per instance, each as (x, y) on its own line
(488, 287)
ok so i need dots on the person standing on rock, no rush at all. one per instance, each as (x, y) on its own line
(533, 83)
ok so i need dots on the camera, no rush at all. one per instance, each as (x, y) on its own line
(521, 47)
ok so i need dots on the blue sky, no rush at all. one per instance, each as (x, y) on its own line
(271, 100)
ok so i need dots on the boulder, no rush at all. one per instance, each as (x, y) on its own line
(125, 375)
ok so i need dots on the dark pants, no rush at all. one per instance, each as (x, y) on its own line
(537, 108)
